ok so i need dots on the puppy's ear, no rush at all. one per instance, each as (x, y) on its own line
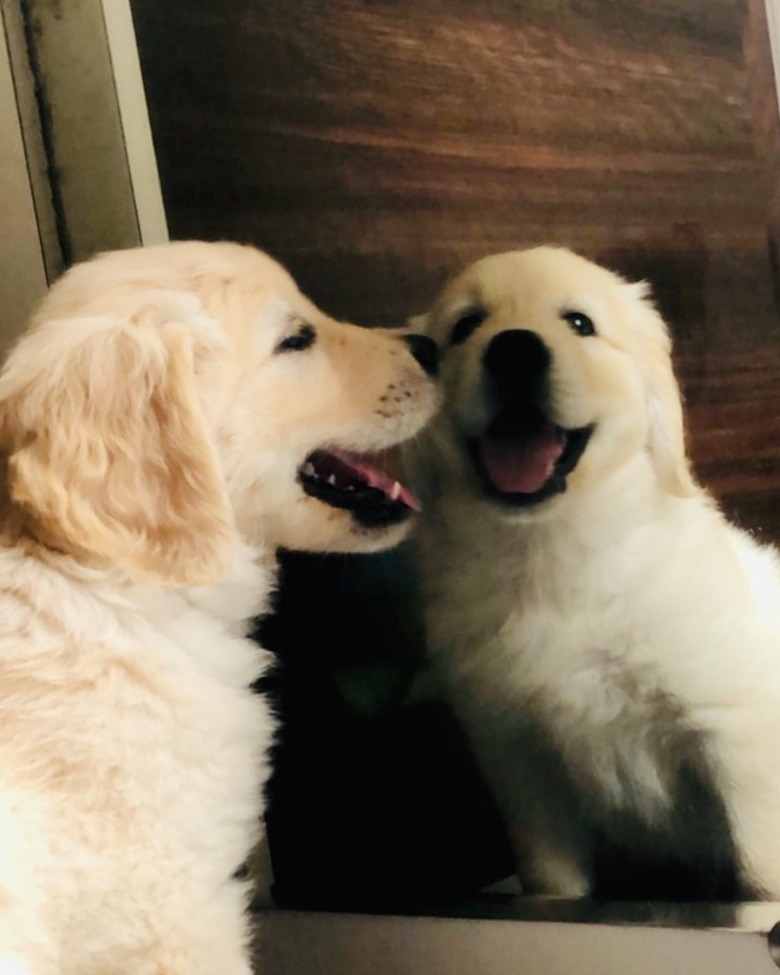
(107, 450)
(666, 437)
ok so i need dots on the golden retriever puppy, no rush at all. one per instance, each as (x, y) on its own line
(170, 418)
(610, 643)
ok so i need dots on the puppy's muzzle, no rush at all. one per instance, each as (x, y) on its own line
(424, 351)
(522, 456)
(516, 364)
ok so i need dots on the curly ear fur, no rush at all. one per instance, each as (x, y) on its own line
(107, 450)
(666, 437)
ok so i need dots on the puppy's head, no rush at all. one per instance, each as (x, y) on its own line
(555, 373)
(167, 401)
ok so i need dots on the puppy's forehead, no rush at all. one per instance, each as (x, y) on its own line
(542, 277)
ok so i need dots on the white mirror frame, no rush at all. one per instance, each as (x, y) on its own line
(78, 172)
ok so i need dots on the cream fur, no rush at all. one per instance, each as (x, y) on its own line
(152, 435)
(587, 642)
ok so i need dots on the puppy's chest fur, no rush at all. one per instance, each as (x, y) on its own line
(570, 658)
(132, 736)
(548, 651)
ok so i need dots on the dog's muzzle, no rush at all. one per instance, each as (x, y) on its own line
(523, 456)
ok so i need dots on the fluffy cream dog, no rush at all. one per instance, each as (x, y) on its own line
(610, 643)
(171, 417)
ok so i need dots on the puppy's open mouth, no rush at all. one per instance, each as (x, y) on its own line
(359, 484)
(523, 457)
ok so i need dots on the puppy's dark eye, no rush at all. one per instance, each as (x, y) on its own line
(466, 325)
(298, 341)
(580, 323)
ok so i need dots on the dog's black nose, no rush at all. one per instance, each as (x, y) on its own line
(517, 361)
(425, 352)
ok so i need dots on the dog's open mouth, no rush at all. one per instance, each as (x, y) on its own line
(357, 483)
(523, 457)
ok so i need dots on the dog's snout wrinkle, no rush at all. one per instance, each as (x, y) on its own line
(425, 351)
(517, 361)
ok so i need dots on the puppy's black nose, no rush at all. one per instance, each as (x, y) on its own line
(425, 352)
(517, 362)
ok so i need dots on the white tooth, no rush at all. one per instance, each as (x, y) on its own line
(350, 487)
(332, 479)
(308, 469)
(395, 491)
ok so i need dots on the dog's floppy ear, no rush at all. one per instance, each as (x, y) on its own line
(106, 445)
(666, 437)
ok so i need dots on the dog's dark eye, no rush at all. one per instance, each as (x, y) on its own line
(581, 324)
(302, 339)
(466, 325)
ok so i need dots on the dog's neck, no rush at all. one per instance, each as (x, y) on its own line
(243, 593)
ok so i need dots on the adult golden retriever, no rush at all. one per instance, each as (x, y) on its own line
(171, 417)
(610, 643)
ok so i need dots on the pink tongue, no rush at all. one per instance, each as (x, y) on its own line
(521, 462)
(376, 478)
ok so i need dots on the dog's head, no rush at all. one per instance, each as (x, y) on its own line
(167, 401)
(555, 373)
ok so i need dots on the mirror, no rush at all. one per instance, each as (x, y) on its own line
(375, 148)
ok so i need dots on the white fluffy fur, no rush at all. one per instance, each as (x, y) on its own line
(152, 435)
(617, 620)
